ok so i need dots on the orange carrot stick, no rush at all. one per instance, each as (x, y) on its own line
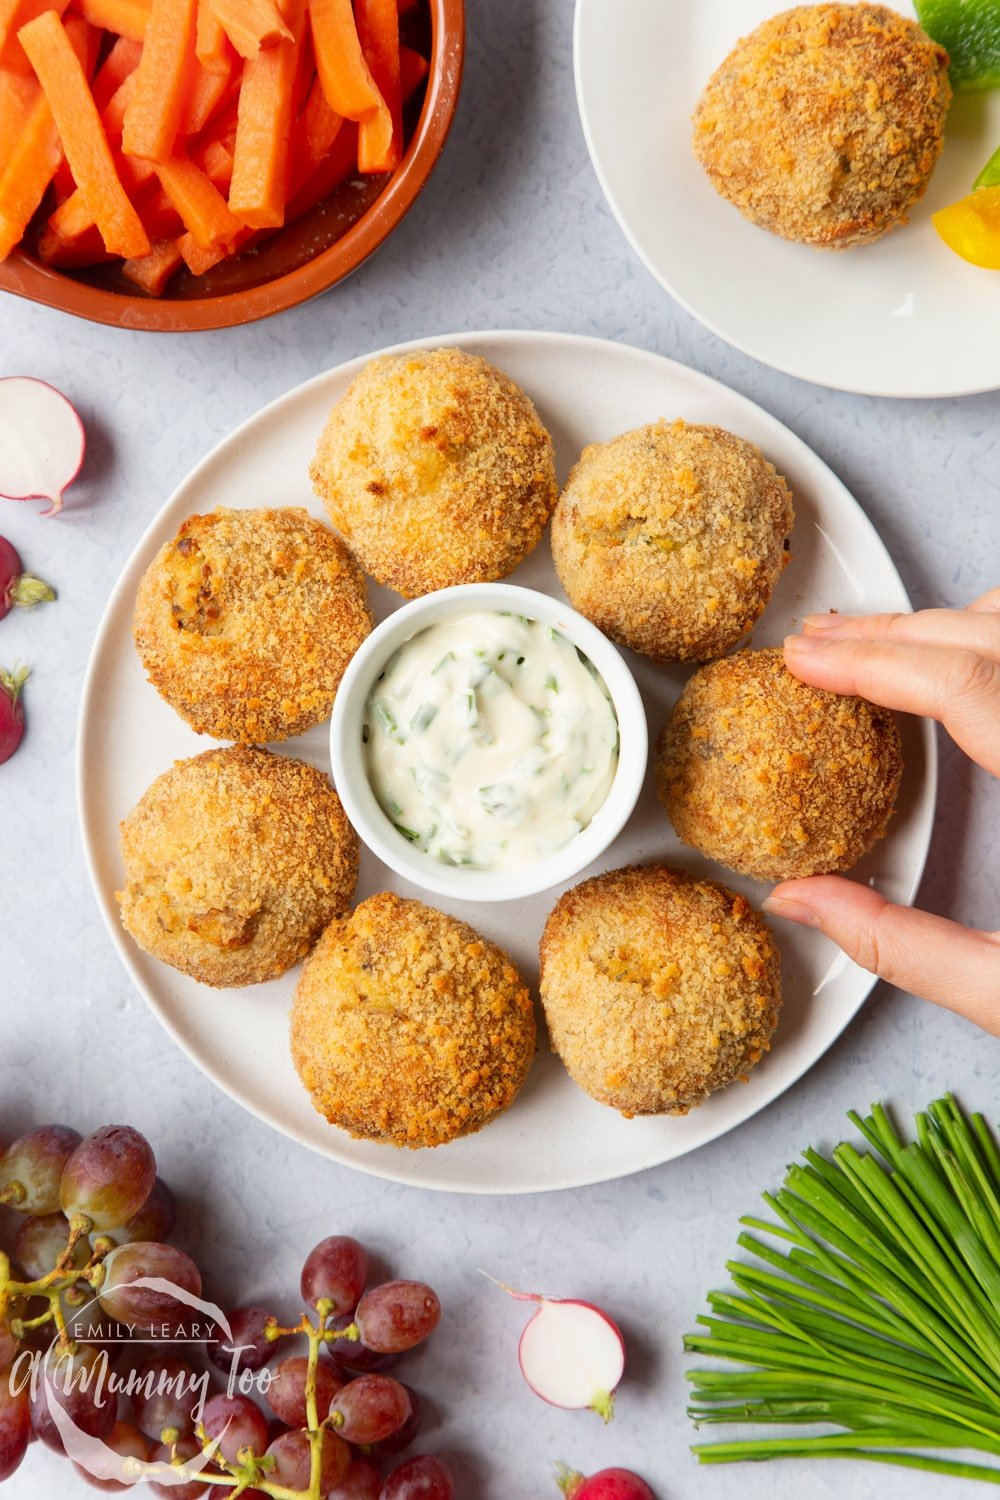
(120, 63)
(13, 15)
(36, 155)
(413, 69)
(153, 117)
(86, 249)
(211, 43)
(216, 161)
(206, 93)
(18, 93)
(380, 138)
(152, 272)
(203, 210)
(314, 131)
(260, 159)
(341, 162)
(128, 18)
(251, 24)
(347, 83)
(82, 134)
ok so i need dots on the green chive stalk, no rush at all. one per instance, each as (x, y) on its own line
(871, 1312)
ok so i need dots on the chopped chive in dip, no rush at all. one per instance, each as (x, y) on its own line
(491, 741)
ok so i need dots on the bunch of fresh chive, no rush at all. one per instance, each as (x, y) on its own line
(881, 1325)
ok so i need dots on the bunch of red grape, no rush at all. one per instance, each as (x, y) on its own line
(91, 1269)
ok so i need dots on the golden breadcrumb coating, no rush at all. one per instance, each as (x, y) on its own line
(235, 861)
(774, 778)
(658, 988)
(672, 537)
(409, 1027)
(437, 471)
(825, 123)
(246, 621)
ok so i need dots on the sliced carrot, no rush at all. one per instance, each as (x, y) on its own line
(216, 161)
(404, 5)
(203, 210)
(260, 158)
(18, 92)
(127, 18)
(380, 138)
(211, 43)
(83, 139)
(314, 131)
(199, 260)
(153, 117)
(120, 63)
(251, 24)
(306, 189)
(347, 83)
(152, 272)
(206, 93)
(13, 15)
(160, 218)
(28, 173)
(413, 69)
(86, 249)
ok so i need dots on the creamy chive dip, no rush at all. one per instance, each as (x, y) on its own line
(490, 740)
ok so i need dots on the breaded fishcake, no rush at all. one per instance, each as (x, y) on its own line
(658, 988)
(774, 778)
(409, 1027)
(437, 471)
(246, 621)
(235, 861)
(825, 123)
(672, 537)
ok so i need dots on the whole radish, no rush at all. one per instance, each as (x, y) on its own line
(607, 1484)
(18, 588)
(11, 711)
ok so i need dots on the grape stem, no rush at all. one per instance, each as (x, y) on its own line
(64, 1277)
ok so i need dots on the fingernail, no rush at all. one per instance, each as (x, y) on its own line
(805, 642)
(830, 621)
(792, 911)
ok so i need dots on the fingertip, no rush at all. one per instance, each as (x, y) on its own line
(792, 911)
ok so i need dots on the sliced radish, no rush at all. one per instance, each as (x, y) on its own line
(571, 1353)
(608, 1484)
(42, 442)
(18, 588)
(11, 711)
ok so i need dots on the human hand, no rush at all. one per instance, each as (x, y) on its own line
(943, 664)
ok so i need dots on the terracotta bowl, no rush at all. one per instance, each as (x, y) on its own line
(295, 263)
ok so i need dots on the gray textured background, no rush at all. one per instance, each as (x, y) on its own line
(511, 233)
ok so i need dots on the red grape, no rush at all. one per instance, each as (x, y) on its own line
(248, 1349)
(369, 1408)
(186, 1448)
(237, 1423)
(145, 1308)
(31, 1168)
(361, 1482)
(352, 1354)
(396, 1316)
(108, 1177)
(127, 1442)
(286, 1395)
(336, 1269)
(166, 1392)
(15, 1422)
(292, 1456)
(77, 1378)
(154, 1220)
(8, 1344)
(41, 1242)
(401, 1440)
(421, 1478)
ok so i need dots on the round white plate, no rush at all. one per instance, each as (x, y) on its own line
(902, 317)
(554, 1136)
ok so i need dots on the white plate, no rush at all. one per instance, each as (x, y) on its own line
(902, 317)
(554, 1136)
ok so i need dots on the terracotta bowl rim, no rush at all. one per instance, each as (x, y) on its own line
(27, 277)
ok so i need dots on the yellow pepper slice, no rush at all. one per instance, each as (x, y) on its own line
(971, 227)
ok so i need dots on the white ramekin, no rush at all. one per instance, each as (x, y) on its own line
(347, 752)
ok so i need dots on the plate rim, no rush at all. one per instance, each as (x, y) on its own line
(781, 366)
(105, 901)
